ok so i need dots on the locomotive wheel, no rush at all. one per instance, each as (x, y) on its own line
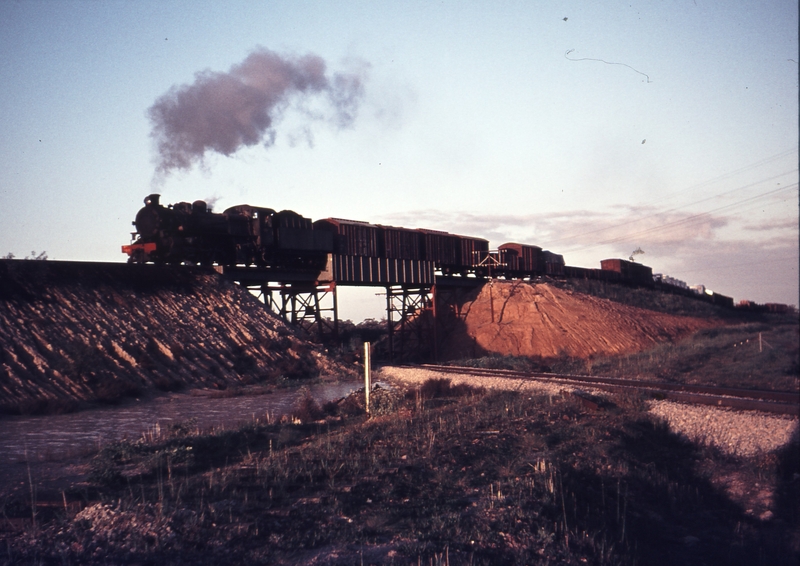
(137, 257)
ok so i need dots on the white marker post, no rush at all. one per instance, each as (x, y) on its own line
(366, 375)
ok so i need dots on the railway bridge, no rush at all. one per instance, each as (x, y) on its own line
(421, 301)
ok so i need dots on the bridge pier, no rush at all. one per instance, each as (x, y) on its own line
(411, 322)
(304, 305)
(420, 318)
(422, 308)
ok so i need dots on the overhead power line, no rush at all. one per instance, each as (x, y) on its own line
(729, 174)
(681, 222)
(719, 266)
(664, 212)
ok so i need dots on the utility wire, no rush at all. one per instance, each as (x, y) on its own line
(730, 174)
(697, 186)
(735, 265)
(682, 221)
(661, 213)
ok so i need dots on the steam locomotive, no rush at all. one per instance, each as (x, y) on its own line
(247, 235)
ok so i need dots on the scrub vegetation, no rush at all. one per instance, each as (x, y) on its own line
(438, 475)
(752, 355)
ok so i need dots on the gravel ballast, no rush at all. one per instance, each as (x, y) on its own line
(738, 433)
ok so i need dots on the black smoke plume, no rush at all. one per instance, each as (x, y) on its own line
(222, 112)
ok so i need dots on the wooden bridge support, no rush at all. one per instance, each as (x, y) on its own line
(305, 305)
(411, 320)
(420, 319)
(421, 310)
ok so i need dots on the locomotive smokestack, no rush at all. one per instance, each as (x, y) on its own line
(222, 112)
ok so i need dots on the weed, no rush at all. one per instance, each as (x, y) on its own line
(486, 478)
(752, 355)
(307, 409)
(497, 361)
(439, 388)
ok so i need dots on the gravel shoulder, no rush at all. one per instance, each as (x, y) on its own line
(737, 433)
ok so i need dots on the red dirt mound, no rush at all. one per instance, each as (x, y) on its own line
(524, 319)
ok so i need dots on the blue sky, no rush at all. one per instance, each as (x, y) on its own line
(588, 128)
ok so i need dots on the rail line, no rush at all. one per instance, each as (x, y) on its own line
(781, 402)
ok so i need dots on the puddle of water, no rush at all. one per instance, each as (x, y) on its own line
(58, 436)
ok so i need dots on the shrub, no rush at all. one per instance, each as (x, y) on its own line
(442, 387)
(307, 409)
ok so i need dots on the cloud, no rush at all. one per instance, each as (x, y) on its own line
(223, 112)
(573, 229)
(773, 224)
(707, 248)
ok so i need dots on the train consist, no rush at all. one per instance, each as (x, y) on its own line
(252, 236)
(248, 235)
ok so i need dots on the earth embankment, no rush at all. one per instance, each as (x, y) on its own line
(541, 320)
(84, 332)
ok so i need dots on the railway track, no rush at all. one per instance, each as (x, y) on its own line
(781, 402)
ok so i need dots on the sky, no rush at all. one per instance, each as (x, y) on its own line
(591, 129)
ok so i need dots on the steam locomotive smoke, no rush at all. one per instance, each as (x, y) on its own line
(222, 112)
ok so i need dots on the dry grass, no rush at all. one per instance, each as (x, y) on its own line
(754, 355)
(448, 476)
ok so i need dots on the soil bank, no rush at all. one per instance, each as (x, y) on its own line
(541, 320)
(83, 332)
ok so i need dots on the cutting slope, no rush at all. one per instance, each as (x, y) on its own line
(542, 320)
(73, 332)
